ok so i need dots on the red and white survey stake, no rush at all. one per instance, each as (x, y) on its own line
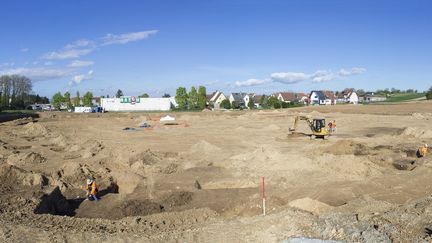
(263, 197)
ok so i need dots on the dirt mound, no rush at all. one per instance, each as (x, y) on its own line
(12, 176)
(349, 167)
(91, 148)
(135, 208)
(416, 132)
(310, 205)
(59, 141)
(347, 147)
(421, 116)
(34, 130)
(271, 127)
(204, 147)
(29, 158)
(176, 199)
(147, 157)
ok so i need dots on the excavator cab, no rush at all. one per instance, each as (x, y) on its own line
(319, 124)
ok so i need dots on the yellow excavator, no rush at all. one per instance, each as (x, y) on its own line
(317, 126)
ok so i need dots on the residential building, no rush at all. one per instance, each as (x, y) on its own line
(240, 98)
(216, 99)
(372, 97)
(322, 98)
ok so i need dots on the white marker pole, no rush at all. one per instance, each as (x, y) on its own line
(263, 197)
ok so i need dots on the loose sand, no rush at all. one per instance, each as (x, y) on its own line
(199, 181)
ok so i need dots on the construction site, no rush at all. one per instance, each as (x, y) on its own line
(200, 176)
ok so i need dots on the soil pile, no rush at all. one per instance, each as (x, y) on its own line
(416, 132)
(310, 205)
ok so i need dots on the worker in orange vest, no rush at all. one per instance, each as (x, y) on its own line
(91, 189)
(422, 152)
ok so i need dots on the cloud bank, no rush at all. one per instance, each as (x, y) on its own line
(297, 77)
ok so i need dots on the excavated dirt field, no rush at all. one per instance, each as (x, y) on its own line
(200, 180)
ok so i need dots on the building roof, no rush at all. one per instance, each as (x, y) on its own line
(288, 96)
(329, 94)
(238, 96)
(320, 94)
(257, 98)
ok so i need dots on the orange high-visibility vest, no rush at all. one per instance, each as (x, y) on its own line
(93, 188)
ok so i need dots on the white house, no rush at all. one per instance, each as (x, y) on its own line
(317, 98)
(216, 99)
(322, 98)
(352, 98)
(239, 98)
(349, 96)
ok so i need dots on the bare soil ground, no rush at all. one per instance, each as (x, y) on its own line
(199, 181)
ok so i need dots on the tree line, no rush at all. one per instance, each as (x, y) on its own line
(192, 100)
(59, 99)
(16, 92)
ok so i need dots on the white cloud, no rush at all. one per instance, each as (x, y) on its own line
(7, 64)
(67, 54)
(323, 76)
(296, 77)
(289, 77)
(79, 63)
(83, 47)
(39, 73)
(24, 50)
(352, 71)
(251, 82)
(111, 39)
(79, 44)
(77, 79)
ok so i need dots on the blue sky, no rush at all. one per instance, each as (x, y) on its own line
(232, 45)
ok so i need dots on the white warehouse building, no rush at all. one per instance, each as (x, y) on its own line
(132, 103)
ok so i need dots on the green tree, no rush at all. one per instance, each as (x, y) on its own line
(251, 103)
(145, 95)
(166, 95)
(193, 98)
(181, 97)
(87, 99)
(202, 97)
(263, 101)
(57, 100)
(67, 100)
(235, 105)
(225, 104)
(119, 93)
(429, 94)
(76, 102)
(274, 102)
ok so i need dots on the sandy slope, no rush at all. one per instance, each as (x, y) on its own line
(200, 181)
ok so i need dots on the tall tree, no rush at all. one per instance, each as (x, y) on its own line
(87, 99)
(251, 103)
(77, 99)
(57, 100)
(193, 98)
(202, 97)
(67, 100)
(181, 97)
(119, 93)
(429, 94)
